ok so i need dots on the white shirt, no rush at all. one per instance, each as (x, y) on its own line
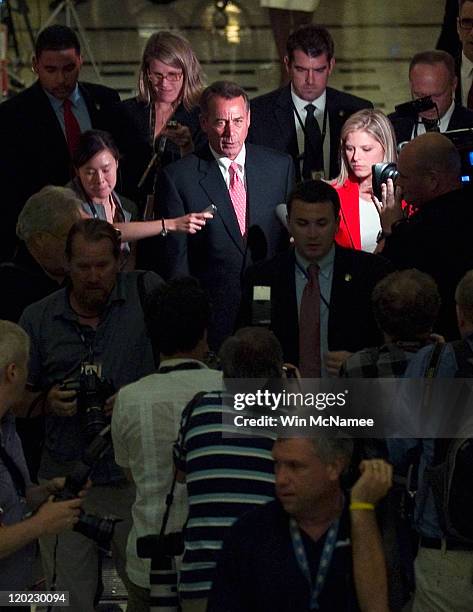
(319, 104)
(224, 164)
(145, 425)
(369, 225)
(444, 121)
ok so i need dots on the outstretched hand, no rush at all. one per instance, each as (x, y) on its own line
(189, 224)
(390, 207)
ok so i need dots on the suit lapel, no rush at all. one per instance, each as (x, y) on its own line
(340, 294)
(46, 117)
(336, 118)
(284, 114)
(214, 186)
(92, 107)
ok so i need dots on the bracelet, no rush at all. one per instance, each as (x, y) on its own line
(361, 506)
(164, 231)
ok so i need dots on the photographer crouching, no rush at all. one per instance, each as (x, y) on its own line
(19, 526)
(87, 341)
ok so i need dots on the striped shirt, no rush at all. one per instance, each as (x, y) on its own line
(226, 476)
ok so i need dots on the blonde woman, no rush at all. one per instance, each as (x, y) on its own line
(367, 138)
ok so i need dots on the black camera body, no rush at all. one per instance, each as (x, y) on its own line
(91, 526)
(380, 173)
(414, 107)
(92, 391)
(160, 548)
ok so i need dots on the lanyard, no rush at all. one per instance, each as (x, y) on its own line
(301, 123)
(324, 564)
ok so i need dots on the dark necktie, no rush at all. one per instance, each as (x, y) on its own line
(313, 145)
(309, 326)
(431, 125)
(469, 101)
(72, 126)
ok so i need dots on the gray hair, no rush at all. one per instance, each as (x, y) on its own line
(253, 352)
(48, 210)
(14, 343)
(328, 450)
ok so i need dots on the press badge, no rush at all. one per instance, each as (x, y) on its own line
(261, 306)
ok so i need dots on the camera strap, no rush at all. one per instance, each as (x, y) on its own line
(14, 471)
(188, 410)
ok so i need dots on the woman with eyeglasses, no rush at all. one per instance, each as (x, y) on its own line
(163, 119)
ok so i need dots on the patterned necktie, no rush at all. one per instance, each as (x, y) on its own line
(313, 146)
(72, 126)
(237, 193)
(309, 326)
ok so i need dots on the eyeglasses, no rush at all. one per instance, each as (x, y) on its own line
(170, 76)
(466, 24)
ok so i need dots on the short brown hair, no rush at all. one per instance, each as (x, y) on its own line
(406, 304)
(222, 89)
(93, 230)
(313, 40)
(435, 56)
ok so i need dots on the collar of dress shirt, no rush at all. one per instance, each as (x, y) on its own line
(325, 264)
(57, 104)
(300, 104)
(224, 162)
(445, 120)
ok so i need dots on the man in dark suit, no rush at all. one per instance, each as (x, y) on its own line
(437, 238)
(432, 73)
(245, 183)
(346, 279)
(40, 126)
(464, 56)
(282, 120)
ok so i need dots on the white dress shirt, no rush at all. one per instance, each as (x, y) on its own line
(224, 164)
(419, 128)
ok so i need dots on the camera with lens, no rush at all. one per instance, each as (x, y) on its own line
(92, 391)
(96, 528)
(380, 173)
(414, 107)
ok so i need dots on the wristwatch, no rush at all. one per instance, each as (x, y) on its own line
(164, 232)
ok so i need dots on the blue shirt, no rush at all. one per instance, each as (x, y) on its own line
(325, 283)
(79, 109)
(15, 570)
(59, 344)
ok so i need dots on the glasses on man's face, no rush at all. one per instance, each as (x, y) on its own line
(170, 76)
(466, 24)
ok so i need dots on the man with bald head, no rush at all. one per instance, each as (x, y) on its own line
(432, 73)
(437, 238)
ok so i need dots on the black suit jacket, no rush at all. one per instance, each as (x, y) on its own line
(403, 126)
(218, 255)
(351, 324)
(272, 122)
(130, 125)
(437, 240)
(34, 151)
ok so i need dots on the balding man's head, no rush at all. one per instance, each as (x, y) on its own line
(429, 166)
